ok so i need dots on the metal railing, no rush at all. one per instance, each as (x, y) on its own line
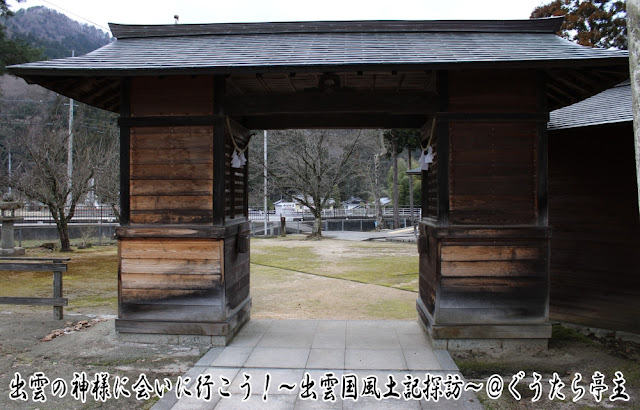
(99, 214)
(404, 211)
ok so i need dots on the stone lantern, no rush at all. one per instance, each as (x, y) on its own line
(8, 217)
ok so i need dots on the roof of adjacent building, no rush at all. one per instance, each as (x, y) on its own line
(255, 46)
(609, 107)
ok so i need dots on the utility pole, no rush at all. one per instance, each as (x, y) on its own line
(10, 171)
(266, 214)
(70, 147)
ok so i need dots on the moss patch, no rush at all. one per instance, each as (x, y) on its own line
(563, 335)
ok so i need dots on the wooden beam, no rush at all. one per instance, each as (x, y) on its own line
(519, 117)
(293, 86)
(34, 301)
(166, 121)
(320, 103)
(33, 267)
(261, 80)
(274, 122)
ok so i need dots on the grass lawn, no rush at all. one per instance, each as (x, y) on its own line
(91, 282)
(392, 264)
(290, 278)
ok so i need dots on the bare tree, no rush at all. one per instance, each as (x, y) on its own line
(41, 174)
(375, 149)
(315, 164)
(107, 177)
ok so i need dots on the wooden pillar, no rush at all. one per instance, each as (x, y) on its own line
(125, 132)
(218, 151)
(484, 249)
(183, 247)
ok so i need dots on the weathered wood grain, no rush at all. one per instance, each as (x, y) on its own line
(171, 202)
(203, 297)
(173, 312)
(594, 212)
(35, 267)
(489, 253)
(176, 155)
(171, 249)
(494, 268)
(487, 91)
(498, 331)
(184, 95)
(169, 281)
(171, 266)
(177, 187)
(34, 301)
(172, 171)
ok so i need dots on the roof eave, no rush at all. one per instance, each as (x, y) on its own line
(25, 71)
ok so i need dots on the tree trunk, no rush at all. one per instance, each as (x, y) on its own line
(316, 233)
(410, 189)
(63, 233)
(62, 225)
(396, 210)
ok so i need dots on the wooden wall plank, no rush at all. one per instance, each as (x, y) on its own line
(183, 95)
(493, 91)
(182, 217)
(490, 253)
(164, 156)
(171, 266)
(523, 313)
(494, 268)
(172, 171)
(189, 138)
(171, 249)
(169, 202)
(595, 264)
(179, 187)
(169, 281)
(168, 312)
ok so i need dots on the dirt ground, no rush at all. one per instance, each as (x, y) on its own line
(570, 352)
(278, 293)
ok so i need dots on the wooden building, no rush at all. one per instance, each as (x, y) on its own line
(187, 94)
(593, 208)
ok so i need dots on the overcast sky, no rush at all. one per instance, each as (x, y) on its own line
(102, 12)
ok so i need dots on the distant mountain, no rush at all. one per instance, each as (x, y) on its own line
(54, 32)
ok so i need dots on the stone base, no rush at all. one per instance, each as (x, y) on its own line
(492, 339)
(202, 334)
(12, 252)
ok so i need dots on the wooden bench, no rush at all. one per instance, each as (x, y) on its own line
(55, 265)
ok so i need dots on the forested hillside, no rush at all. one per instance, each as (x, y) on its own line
(56, 34)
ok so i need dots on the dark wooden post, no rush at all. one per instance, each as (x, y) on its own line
(219, 157)
(442, 135)
(125, 149)
(57, 293)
